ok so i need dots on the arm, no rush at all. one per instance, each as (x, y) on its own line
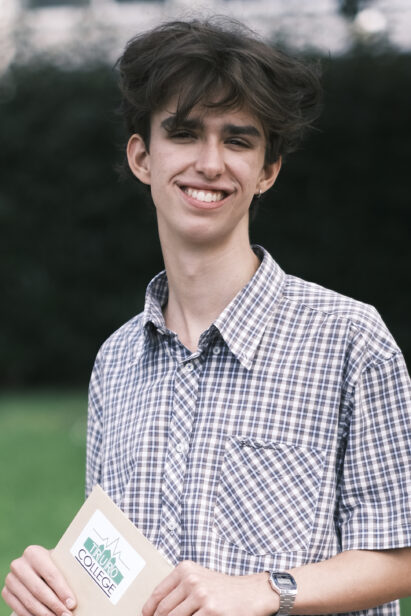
(351, 581)
(94, 427)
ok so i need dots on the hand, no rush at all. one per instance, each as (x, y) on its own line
(192, 589)
(35, 587)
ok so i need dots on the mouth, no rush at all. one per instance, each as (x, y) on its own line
(204, 196)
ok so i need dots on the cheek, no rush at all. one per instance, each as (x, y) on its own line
(249, 173)
(157, 192)
(162, 185)
(165, 167)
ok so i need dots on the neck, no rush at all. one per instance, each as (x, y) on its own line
(202, 282)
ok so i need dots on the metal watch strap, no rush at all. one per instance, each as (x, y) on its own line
(286, 594)
(286, 604)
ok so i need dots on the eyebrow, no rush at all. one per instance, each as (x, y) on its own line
(171, 123)
(247, 129)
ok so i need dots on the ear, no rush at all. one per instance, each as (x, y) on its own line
(139, 158)
(269, 174)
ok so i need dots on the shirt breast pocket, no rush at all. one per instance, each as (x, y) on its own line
(267, 495)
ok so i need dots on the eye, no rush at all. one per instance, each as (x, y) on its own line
(236, 142)
(181, 135)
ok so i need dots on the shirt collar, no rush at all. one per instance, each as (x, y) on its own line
(156, 297)
(243, 321)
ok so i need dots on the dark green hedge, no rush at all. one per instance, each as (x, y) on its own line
(78, 247)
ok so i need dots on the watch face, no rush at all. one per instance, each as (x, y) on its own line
(285, 580)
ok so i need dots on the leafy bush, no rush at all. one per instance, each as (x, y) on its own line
(78, 247)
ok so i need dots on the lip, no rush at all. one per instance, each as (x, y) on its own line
(204, 205)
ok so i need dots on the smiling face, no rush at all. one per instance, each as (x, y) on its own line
(203, 172)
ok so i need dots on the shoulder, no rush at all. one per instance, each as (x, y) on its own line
(361, 319)
(123, 343)
(124, 346)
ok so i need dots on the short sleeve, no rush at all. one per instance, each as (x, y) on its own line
(94, 428)
(374, 506)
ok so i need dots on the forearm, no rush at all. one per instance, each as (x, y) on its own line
(353, 580)
(348, 582)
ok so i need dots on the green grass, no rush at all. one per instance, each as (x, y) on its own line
(42, 459)
(406, 607)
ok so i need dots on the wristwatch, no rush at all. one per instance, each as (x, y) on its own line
(285, 586)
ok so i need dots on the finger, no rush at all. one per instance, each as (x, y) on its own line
(171, 601)
(31, 604)
(16, 605)
(41, 561)
(160, 591)
(36, 586)
(187, 607)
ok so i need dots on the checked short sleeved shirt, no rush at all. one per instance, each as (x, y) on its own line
(283, 440)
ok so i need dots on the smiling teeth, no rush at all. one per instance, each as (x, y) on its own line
(204, 195)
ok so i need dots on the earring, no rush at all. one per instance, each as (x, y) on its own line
(259, 195)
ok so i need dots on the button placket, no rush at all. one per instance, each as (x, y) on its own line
(171, 525)
(184, 406)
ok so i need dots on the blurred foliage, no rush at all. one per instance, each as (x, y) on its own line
(78, 247)
(350, 8)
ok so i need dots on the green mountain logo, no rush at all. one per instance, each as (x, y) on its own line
(105, 559)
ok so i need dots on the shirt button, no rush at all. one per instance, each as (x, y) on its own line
(216, 350)
(171, 525)
(189, 367)
(180, 447)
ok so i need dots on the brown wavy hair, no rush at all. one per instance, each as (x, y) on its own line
(218, 63)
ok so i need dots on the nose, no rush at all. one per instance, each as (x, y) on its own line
(210, 159)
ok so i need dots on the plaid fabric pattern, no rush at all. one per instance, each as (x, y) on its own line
(283, 440)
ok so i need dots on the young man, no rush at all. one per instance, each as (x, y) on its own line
(254, 426)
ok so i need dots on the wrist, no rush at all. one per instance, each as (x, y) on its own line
(269, 600)
(284, 586)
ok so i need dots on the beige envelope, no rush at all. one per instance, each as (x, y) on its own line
(110, 565)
